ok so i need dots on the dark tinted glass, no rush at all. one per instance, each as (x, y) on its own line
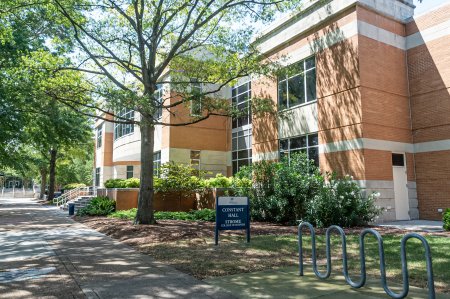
(296, 87)
(398, 160)
(313, 140)
(311, 85)
(284, 144)
(298, 142)
(282, 94)
(310, 62)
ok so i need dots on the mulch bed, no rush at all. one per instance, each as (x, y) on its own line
(174, 230)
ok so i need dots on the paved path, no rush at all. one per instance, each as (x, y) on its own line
(45, 254)
(416, 225)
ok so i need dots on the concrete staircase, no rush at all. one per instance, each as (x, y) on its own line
(80, 202)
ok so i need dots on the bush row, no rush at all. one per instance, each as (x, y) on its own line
(294, 190)
(194, 215)
(180, 177)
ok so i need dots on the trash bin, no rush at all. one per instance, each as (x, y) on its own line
(71, 209)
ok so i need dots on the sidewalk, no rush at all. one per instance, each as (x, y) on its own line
(43, 253)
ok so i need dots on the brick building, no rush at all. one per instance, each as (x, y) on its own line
(365, 93)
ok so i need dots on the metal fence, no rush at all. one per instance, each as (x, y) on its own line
(363, 274)
(16, 193)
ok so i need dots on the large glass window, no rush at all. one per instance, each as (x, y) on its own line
(130, 170)
(308, 144)
(297, 85)
(242, 149)
(121, 129)
(99, 135)
(156, 163)
(241, 99)
(242, 129)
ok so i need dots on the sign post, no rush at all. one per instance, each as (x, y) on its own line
(232, 213)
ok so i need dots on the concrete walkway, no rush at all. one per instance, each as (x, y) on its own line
(416, 225)
(285, 283)
(44, 254)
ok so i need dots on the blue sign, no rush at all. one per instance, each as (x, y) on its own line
(232, 213)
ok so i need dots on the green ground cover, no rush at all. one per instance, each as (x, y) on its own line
(199, 258)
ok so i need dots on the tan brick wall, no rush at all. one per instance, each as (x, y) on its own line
(433, 183)
(431, 109)
(378, 165)
(429, 66)
(349, 132)
(265, 127)
(380, 21)
(344, 163)
(428, 20)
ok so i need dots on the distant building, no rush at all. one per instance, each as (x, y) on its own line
(365, 93)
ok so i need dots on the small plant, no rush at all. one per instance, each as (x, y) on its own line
(73, 186)
(115, 183)
(124, 214)
(98, 206)
(446, 220)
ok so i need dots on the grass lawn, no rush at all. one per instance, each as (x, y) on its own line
(202, 259)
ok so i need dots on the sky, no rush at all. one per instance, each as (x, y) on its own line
(427, 5)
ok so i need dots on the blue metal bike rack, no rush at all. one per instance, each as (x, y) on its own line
(363, 273)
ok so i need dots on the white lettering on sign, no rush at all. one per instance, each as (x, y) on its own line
(232, 201)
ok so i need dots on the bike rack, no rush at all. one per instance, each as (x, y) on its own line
(363, 274)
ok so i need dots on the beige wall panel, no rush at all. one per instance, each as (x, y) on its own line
(298, 121)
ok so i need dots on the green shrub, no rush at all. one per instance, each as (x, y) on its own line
(98, 206)
(220, 181)
(340, 202)
(177, 177)
(194, 215)
(446, 220)
(115, 183)
(289, 191)
(73, 186)
(124, 214)
(132, 183)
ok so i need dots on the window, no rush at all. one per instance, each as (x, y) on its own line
(121, 129)
(298, 84)
(398, 160)
(97, 177)
(308, 144)
(241, 149)
(241, 99)
(130, 170)
(99, 135)
(156, 163)
(159, 98)
(196, 104)
(195, 160)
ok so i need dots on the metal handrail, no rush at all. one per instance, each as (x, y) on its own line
(74, 193)
(363, 272)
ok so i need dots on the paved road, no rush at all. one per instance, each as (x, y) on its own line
(44, 254)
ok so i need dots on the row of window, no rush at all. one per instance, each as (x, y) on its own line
(121, 129)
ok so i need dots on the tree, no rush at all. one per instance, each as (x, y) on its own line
(131, 46)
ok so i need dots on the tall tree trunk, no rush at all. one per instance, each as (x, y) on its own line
(43, 172)
(144, 213)
(52, 174)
